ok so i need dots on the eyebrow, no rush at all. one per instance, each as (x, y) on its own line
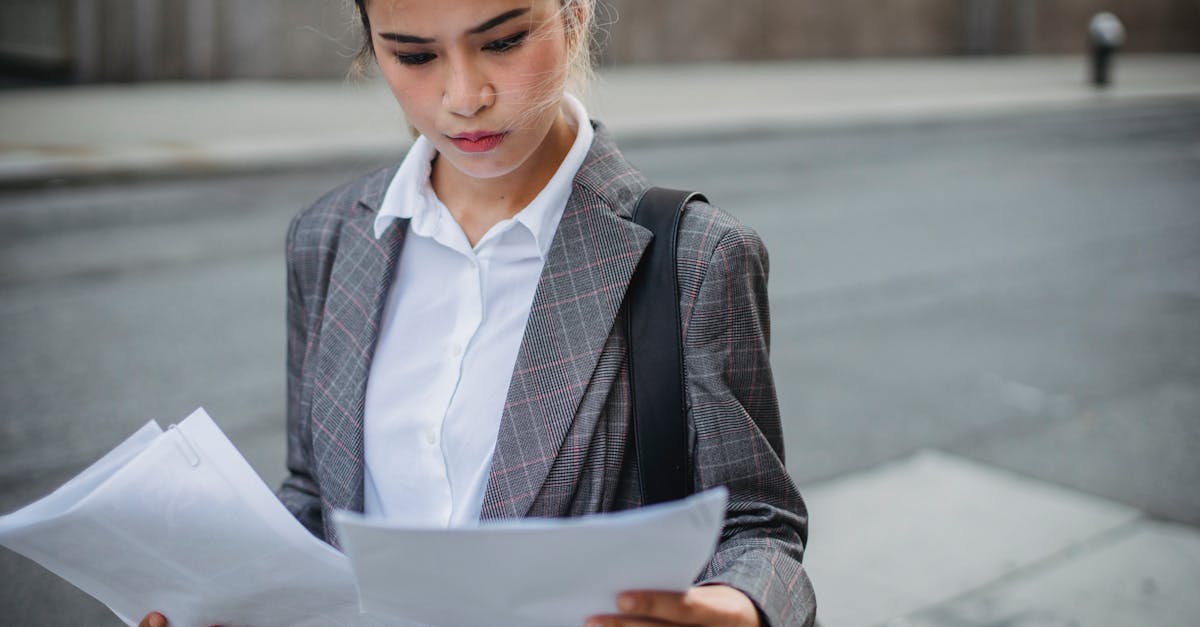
(482, 28)
(498, 20)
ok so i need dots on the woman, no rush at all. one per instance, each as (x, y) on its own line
(455, 350)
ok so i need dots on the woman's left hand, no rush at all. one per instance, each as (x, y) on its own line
(703, 605)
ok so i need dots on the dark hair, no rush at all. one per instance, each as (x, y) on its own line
(366, 52)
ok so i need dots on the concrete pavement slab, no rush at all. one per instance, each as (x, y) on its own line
(149, 128)
(925, 530)
(1147, 574)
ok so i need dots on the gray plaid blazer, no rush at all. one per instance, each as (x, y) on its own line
(564, 446)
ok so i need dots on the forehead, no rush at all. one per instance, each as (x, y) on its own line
(439, 15)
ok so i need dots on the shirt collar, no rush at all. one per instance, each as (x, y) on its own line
(410, 194)
(405, 196)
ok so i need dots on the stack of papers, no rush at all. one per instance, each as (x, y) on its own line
(176, 521)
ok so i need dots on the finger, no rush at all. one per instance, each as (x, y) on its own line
(724, 605)
(702, 605)
(623, 621)
(153, 619)
(671, 607)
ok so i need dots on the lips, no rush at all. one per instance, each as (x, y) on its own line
(477, 142)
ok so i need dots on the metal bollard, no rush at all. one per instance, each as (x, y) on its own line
(1106, 35)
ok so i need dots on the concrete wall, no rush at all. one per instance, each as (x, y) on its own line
(1153, 25)
(131, 40)
(149, 39)
(36, 33)
(126, 40)
(688, 30)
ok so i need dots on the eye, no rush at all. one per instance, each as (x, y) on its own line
(418, 58)
(506, 44)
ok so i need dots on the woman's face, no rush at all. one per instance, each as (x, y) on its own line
(481, 79)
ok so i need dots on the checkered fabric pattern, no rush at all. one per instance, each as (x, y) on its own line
(564, 447)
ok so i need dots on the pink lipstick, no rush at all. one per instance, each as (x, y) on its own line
(477, 142)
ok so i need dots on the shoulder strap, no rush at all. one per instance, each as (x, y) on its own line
(658, 397)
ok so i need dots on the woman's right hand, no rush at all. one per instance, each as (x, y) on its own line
(153, 619)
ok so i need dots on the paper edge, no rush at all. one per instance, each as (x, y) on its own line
(714, 494)
(108, 464)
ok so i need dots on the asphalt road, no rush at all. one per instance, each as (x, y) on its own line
(1023, 290)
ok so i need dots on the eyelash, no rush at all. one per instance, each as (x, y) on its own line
(499, 46)
(506, 44)
(420, 58)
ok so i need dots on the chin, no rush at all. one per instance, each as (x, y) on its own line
(486, 166)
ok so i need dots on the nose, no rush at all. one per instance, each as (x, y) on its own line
(468, 90)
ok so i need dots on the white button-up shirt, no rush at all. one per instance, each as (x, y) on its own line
(453, 323)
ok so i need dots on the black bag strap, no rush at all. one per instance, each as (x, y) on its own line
(658, 397)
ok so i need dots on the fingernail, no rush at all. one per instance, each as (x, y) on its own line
(157, 621)
(626, 603)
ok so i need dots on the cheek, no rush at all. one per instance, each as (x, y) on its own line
(412, 95)
(537, 98)
(545, 69)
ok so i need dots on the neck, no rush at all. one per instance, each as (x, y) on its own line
(478, 204)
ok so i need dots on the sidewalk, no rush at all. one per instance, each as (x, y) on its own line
(939, 541)
(175, 128)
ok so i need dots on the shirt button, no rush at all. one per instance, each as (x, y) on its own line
(430, 438)
(456, 349)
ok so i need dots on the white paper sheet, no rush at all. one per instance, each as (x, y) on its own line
(530, 573)
(178, 522)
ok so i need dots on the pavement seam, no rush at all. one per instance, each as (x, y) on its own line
(1063, 556)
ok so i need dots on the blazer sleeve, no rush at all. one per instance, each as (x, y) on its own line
(299, 491)
(738, 438)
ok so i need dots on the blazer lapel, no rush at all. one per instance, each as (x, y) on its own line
(358, 285)
(591, 259)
